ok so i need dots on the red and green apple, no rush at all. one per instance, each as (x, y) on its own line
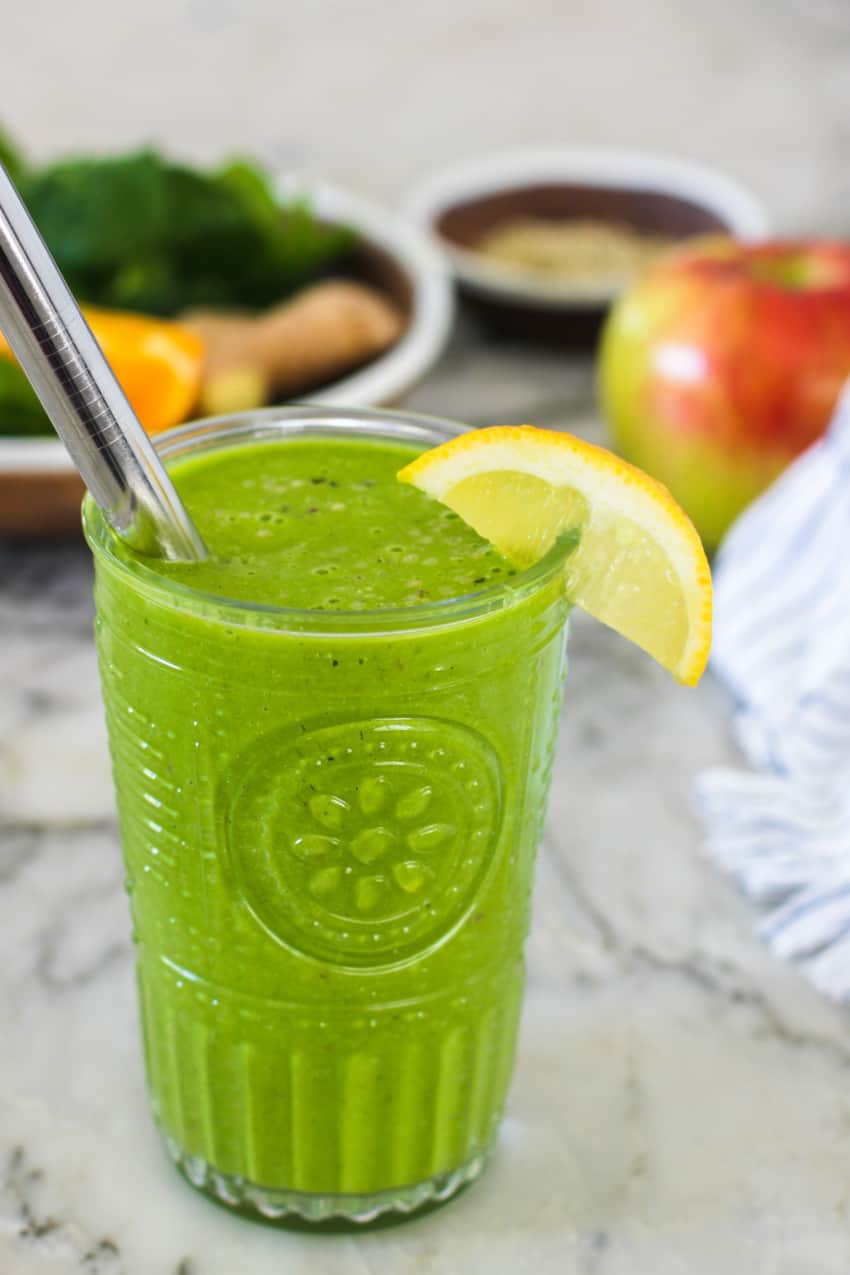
(722, 363)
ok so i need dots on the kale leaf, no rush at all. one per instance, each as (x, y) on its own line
(140, 232)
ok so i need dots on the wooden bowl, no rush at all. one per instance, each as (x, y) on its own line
(648, 193)
(40, 490)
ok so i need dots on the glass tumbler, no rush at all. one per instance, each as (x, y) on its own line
(329, 822)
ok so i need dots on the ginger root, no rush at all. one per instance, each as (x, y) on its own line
(322, 332)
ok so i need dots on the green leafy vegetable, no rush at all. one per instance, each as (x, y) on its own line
(142, 233)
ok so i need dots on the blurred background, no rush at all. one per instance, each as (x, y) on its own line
(372, 93)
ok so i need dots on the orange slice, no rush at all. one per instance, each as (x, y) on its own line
(638, 566)
(157, 363)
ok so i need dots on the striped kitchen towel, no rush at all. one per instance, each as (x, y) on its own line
(782, 646)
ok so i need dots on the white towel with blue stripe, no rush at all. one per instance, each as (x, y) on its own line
(782, 646)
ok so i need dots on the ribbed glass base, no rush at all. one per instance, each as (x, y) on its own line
(281, 1204)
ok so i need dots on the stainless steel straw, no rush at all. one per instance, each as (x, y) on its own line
(78, 390)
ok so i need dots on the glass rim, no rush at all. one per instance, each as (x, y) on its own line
(297, 420)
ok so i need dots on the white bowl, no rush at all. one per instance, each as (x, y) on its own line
(33, 466)
(516, 171)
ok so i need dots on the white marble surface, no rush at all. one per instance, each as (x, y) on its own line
(681, 1102)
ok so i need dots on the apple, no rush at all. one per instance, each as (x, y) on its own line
(722, 363)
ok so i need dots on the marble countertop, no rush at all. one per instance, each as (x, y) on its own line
(681, 1101)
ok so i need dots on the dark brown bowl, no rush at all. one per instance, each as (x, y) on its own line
(650, 194)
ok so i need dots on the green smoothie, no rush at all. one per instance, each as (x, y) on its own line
(325, 526)
(331, 743)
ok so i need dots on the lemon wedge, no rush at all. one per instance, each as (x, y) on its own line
(639, 565)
